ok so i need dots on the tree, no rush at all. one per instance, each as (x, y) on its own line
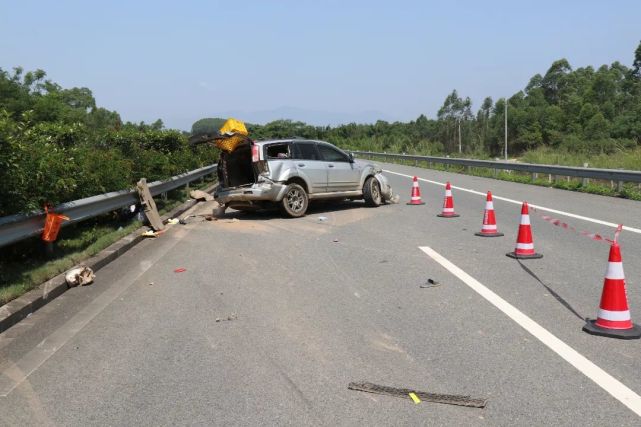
(206, 126)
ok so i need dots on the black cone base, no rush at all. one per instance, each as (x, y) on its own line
(448, 216)
(518, 256)
(624, 334)
(415, 204)
(489, 234)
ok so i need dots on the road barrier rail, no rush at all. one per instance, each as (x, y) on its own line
(615, 175)
(18, 227)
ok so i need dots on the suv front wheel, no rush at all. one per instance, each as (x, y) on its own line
(295, 202)
(372, 192)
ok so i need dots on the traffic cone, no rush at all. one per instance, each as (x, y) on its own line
(448, 203)
(489, 221)
(524, 243)
(416, 194)
(613, 319)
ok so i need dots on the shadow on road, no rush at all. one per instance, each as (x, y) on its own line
(556, 296)
(315, 208)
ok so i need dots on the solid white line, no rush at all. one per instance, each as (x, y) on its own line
(517, 202)
(604, 380)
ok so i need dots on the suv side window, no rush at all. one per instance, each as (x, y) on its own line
(306, 151)
(330, 154)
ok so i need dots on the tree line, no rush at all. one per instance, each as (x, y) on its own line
(582, 110)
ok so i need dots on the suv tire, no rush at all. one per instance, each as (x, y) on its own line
(295, 201)
(372, 192)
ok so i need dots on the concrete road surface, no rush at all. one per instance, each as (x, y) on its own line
(274, 317)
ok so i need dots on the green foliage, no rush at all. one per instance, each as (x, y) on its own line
(56, 145)
(207, 126)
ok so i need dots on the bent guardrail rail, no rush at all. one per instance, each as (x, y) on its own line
(18, 227)
(579, 172)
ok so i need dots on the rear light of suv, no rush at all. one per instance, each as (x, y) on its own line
(255, 153)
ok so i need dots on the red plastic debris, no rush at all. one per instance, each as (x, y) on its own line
(180, 270)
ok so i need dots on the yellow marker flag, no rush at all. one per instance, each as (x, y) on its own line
(415, 398)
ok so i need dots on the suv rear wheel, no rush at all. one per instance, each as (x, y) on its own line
(372, 192)
(295, 202)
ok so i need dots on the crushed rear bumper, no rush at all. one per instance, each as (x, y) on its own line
(261, 192)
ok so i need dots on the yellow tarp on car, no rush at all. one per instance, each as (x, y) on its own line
(233, 133)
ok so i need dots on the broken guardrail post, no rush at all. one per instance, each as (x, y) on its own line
(149, 206)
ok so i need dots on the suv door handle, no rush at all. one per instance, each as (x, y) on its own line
(330, 166)
(301, 165)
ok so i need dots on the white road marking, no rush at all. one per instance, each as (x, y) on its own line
(604, 380)
(517, 202)
(12, 374)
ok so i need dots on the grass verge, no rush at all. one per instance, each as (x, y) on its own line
(26, 264)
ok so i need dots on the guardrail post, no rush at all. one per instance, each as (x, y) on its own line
(620, 186)
(549, 178)
(495, 172)
(534, 176)
(149, 206)
(585, 181)
(469, 170)
(430, 164)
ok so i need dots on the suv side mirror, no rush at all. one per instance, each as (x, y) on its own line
(351, 157)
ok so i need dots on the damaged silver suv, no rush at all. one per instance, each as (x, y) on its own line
(291, 172)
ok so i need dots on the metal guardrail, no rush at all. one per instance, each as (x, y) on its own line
(18, 227)
(616, 175)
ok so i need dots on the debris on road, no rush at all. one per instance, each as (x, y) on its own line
(183, 220)
(180, 270)
(449, 399)
(151, 233)
(201, 195)
(173, 221)
(80, 276)
(335, 240)
(322, 218)
(431, 283)
(231, 220)
(151, 283)
(229, 318)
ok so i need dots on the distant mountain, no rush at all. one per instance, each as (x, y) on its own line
(311, 117)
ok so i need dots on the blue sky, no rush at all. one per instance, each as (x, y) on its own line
(322, 61)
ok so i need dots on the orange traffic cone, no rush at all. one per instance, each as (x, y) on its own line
(489, 221)
(448, 203)
(524, 243)
(416, 194)
(613, 319)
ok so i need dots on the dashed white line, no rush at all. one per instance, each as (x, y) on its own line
(517, 202)
(604, 380)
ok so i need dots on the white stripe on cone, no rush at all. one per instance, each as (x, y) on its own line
(525, 219)
(614, 316)
(615, 271)
(489, 206)
(448, 193)
(489, 227)
(448, 210)
(525, 246)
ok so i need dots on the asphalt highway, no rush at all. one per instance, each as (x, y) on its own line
(273, 318)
